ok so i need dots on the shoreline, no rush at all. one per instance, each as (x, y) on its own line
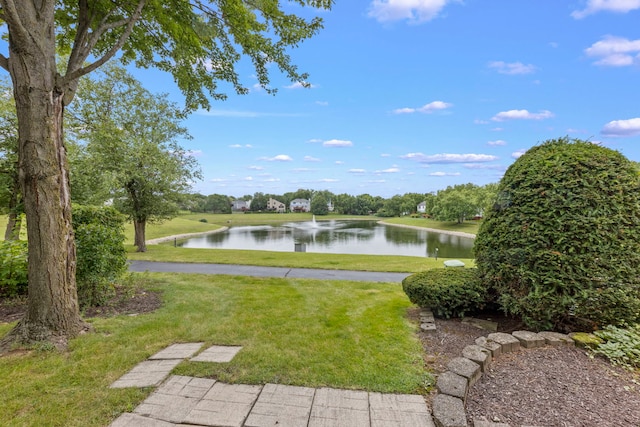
(184, 236)
(433, 230)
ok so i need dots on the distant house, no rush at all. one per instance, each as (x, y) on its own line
(240, 206)
(330, 206)
(300, 205)
(276, 206)
(422, 207)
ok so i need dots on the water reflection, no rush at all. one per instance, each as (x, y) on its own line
(337, 236)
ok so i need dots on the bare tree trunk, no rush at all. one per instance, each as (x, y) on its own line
(52, 313)
(140, 238)
(14, 224)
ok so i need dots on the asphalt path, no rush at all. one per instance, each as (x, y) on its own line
(251, 270)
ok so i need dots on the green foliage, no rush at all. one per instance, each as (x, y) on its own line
(203, 220)
(620, 346)
(13, 268)
(561, 246)
(102, 258)
(446, 291)
(319, 204)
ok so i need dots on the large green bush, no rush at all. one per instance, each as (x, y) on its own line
(13, 268)
(561, 246)
(102, 258)
(448, 292)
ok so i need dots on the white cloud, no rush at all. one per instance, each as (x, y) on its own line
(480, 122)
(385, 155)
(339, 162)
(278, 158)
(300, 85)
(248, 178)
(512, 68)
(450, 158)
(311, 159)
(444, 174)
(356, 171)
(497, 142)
(301, 170)
(521, 115)
(427, 108)
(617, 6)
(389, 170)
(614, 51)
(622, 128)
(272, 180)
(218, 180)
(518, 153)
(194, 153)
(241, 146)
(328, 180)
(314, 140)
(337, 143)
(322, 103)
(256, 168)
(415, 11)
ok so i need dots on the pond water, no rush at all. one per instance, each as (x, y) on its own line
(338, 237)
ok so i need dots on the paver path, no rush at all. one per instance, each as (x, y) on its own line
(182, 401)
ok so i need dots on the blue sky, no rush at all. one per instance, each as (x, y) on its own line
(416, 95)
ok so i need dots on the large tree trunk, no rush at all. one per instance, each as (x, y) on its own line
(52, 312)
(140, 238)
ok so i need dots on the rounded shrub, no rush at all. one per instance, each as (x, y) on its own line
(448, 292)
(561, 245)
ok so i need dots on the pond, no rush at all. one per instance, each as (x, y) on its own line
(337, 237)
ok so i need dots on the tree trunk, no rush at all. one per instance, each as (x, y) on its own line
(140, 239)
(52, 312)
(14, 224)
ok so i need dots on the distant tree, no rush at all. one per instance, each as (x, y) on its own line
(457, 203)
(10, 193)
(319, 204)
(218, 203)
(131, 136)
(259, 202)
(392, 207)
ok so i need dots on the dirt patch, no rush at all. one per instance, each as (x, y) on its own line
(550, 386)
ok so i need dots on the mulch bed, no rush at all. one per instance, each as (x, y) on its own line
(548, 386)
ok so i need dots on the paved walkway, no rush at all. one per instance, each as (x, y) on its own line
(181, 400)
(250, 270)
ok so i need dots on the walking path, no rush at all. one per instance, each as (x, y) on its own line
(251, 270)
(181, 400)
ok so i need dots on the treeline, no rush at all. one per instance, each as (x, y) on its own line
(455, 203)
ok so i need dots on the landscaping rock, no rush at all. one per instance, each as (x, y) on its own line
(448, 411)
(427, 327)
(493, 347)
(487, 325)
(453, 385)
(556, 338)
(508, 342)
(529, 339)
(478, 354)
(466, 368)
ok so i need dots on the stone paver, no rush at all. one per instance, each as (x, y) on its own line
(226, 405)
(393, 410)
(282, 405)
(339, 408)
(133, 420)
(177, 351)
(175, 399)
(218, 354)
(146, 374)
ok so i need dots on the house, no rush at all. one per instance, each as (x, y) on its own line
(300, 205)
(330, 206)
(422, 207)
(276, 206)
(240, 206)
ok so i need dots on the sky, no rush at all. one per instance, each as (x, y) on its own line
(417, 95)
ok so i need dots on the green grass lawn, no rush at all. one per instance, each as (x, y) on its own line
(304, 332)
(466, 227)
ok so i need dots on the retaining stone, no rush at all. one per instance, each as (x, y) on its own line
(466, 368)
(453, 385)
(483, 422)
(477, 354)
(508, 342)
(493, 347)
(428, 327)
(448, 411)
(529, 339)
(556, 338)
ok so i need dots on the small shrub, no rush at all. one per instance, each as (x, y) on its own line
(102, 258)
(446, 291)
(621, 345)
(13, 268)
(203, 220)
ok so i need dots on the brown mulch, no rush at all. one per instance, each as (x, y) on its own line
(125, 301)
(548, 386)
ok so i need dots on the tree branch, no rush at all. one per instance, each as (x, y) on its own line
(75, 71)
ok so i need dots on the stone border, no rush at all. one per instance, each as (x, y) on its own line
(453, 385)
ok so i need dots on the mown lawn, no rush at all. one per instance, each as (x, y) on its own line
(304, 332)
